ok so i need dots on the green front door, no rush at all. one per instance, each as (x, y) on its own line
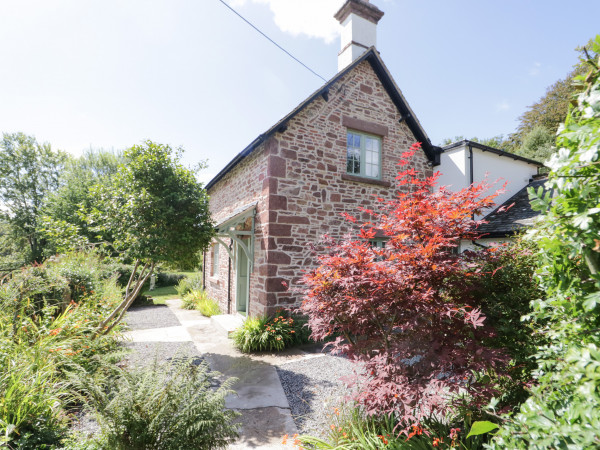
(242, 278)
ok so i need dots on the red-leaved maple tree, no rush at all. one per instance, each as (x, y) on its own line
(405, 311)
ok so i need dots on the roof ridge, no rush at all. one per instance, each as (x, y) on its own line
(372, 56)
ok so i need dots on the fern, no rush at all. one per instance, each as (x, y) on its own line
(165, 406)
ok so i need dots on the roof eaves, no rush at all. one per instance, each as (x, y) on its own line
(487, 148)
(395, 93)
(372, 56)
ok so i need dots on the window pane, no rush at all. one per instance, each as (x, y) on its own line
(372, 157)
(372, 144)
(353, 153)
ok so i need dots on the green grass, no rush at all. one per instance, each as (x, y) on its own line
(159, 295)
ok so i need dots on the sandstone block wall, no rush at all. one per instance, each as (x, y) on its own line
(299, 179)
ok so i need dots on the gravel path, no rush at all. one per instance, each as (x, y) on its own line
(313, 389)
(153, 316)
(144, 353)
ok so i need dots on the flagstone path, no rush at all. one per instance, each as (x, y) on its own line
(169, 331)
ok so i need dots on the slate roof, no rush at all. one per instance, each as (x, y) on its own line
(520, 215)
(372, 56)
(487, 148)
(237, 212)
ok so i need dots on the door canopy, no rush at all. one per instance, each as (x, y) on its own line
(237, 225)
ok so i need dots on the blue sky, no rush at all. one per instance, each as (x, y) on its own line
(111, 73)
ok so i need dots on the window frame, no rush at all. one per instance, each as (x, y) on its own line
(379, 242)
(214, 272)
(363, 151)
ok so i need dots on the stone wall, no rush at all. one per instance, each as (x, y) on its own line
(299, 178)
(245, 184)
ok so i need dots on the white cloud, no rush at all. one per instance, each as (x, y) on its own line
(311, 18)
(502, 106)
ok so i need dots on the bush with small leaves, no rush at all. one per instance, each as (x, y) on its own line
(188, 284)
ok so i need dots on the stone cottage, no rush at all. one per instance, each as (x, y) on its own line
(333, 153)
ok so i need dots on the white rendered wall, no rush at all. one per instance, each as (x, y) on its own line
(359, 30)
(488, 242)
(502, 168)
(453, 169)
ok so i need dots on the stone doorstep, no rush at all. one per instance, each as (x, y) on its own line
(227, 323)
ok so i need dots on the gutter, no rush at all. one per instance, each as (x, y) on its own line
(470, 165)
(229, 281)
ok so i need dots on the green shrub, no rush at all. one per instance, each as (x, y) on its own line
(188, 284)
(169, 406)
(31, 397)
(42, 337)
(198, 299)
(30, 290)
(270, 334)
(506, 287)
(84, 271)
(168, 279)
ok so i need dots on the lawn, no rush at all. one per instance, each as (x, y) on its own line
(159, 295)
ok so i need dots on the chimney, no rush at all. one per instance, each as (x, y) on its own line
(359, 29)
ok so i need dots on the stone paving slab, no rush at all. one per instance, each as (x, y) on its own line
(255, 435)
(260, 398)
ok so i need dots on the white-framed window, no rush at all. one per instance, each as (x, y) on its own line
(214, 270)
(363, 154)
(378, 242)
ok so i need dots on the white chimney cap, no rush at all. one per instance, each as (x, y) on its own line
(359, 20)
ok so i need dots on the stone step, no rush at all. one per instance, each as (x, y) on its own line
(227, 323)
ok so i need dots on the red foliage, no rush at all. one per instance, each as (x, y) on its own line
(404, 310)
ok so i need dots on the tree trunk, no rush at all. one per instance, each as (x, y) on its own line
(131, 292)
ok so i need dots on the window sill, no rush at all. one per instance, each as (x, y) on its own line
(213, 280)
(357, 179)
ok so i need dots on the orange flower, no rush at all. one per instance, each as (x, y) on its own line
(383, 439)
(284, 440)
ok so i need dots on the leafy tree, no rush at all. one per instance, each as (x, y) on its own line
(404, 310)
(157, 212)
(538, 144)
(12, 256)
(29, 171)
(551, 109)
(563, 410)
(63, 215)
(499, 141)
